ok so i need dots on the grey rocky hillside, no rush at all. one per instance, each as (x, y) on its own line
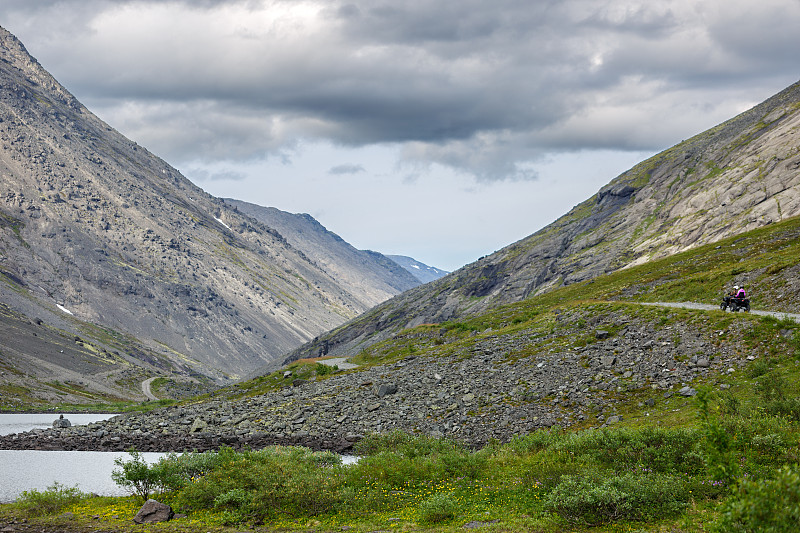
(97, 233)
(379, 277)
(576, 369)
(740, 175)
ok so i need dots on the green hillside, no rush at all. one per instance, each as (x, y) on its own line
(634, 450)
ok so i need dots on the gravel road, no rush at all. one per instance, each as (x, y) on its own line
(146, 389)
(709, 307)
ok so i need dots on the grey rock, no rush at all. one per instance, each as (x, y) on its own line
(687, 391)
(153, 512)
(198, 425)
(385, 389)
(61, 422)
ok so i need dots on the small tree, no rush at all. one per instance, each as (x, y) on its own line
(135, 475)
(718, 444)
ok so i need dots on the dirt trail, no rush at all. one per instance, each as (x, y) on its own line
(146, 389)
(708, 307)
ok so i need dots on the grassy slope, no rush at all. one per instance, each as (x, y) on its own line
(757, 409)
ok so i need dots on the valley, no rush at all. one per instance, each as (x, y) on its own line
(580, 360)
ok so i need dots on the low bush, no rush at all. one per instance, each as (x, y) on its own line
(266, 483)
(593, 501)
(404, 444)
(50, 501)
(437, 509)
(770, 506)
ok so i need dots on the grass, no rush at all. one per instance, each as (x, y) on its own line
(638, 478)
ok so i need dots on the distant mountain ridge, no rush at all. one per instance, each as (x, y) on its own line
(421, 271)
(100, 238)
(380, 278)
(740, 175)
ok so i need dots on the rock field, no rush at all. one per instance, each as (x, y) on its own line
(498, 389)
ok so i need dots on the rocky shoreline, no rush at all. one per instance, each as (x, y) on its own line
(493, 391)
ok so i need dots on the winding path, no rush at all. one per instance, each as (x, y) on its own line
(146, 389)
(708, 307)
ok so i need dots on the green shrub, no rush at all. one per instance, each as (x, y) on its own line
(586, 500)
(404, 444)
(757, 368)
(545, 470)
(655, 449)
(776, 398)
(323, 370)
(437, 509)
(535, 441)
(50, 501)
(170, 473)
(135, 475)
(288, 481)
(769, 506)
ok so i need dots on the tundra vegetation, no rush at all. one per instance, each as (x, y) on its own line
(723, 460)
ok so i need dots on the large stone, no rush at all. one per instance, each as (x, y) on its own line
(198, 425)
(61, 422)
(385, 389)
(608, 360)
(153, 512)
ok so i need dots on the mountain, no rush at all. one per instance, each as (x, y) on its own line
(740, 175)
(370, 272)
(421, 271)
(102, 240)
(592, 354)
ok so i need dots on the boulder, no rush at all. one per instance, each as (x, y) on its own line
(61, 422)
(153, 512)
(198, 425)
(385, 389)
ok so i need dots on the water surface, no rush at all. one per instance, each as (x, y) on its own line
(27, 469)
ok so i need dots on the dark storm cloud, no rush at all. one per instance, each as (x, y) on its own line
(483, 87)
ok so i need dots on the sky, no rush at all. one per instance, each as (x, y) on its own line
(439, 129)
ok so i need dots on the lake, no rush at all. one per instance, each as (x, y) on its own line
(22, 470)
(25, 469)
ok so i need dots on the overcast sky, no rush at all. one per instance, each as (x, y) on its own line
(439, 129)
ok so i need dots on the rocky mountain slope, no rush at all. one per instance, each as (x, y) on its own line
(562, 359)
(421, 271)
(376, 276)
(97, 234)
(740, 175)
